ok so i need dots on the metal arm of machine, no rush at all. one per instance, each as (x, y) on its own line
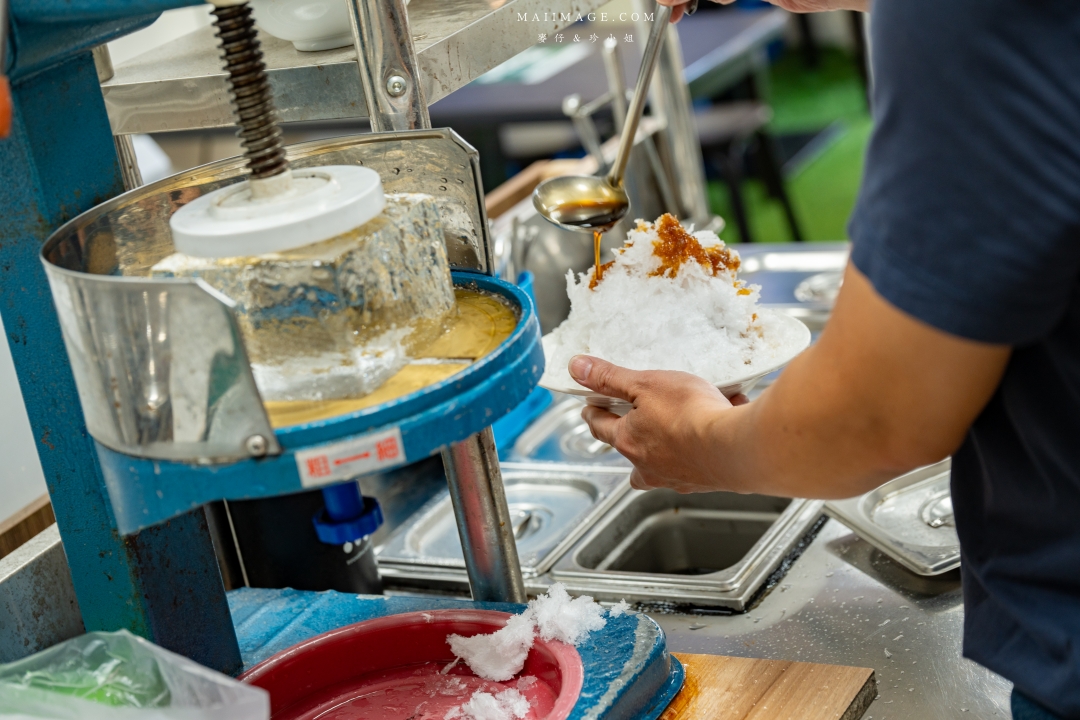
(395, 100)
(388, 67)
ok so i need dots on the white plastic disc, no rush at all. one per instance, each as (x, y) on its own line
(321, 203)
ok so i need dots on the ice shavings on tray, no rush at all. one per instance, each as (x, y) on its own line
(557, 616)
(500, 655)
(507, 705)
(671, 300)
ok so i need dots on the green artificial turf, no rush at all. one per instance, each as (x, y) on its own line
(822, 189)
(810, 99)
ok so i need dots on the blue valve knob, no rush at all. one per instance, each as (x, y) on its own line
(348, 516)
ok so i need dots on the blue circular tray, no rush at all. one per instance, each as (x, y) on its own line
(146, 492)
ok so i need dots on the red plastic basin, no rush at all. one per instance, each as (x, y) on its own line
(389, 669)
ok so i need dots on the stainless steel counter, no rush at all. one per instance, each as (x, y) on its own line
(843, 602)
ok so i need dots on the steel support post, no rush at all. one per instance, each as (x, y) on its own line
(162, 583)
(483, 519)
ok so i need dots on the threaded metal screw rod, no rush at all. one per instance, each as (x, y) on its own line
(256, 116)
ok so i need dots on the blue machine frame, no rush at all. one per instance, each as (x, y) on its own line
(161, 582)
(60, 160)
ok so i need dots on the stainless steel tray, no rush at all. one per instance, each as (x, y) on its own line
(551, 506)
(710, 549)
(560, 435)
(909, 519)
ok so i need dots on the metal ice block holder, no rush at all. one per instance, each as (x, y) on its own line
(168, 393)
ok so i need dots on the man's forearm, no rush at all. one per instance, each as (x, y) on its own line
(879, 394)
(811, 6)
(790, 443)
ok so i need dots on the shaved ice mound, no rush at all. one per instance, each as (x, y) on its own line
(671, 300)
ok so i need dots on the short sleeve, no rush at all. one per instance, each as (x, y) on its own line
(968, 217)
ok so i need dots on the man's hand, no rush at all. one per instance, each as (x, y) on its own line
(879, 394)
(796, 6)
(665, 434)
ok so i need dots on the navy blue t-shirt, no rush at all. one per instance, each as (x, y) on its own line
(969, 219)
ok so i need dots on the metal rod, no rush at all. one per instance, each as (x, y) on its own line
(255, 114)
(637, 104)
(585, 127)
(129, 163)
(663, 182)
(388, 67)
(613, 67)
(687, 165)
(483, 519)
(593, 106)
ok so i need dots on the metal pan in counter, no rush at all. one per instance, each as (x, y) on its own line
(910, 519)
(706, 549)
(560, 435)
(551, 506)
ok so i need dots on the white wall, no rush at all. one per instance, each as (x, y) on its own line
(21, 480)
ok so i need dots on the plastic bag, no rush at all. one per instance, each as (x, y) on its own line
(119, 676)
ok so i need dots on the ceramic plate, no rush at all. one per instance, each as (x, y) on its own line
(557, 379)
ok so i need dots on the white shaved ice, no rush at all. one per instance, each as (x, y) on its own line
(620, 608)
(684, 319)
(500, 655)
(507, 705)
(558, 617)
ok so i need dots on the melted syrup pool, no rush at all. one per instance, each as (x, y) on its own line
(481, 324)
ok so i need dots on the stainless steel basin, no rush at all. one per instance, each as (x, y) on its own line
(551, 506)
(713, 549)
(560, 435)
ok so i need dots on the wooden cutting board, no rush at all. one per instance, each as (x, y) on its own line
(750, 689)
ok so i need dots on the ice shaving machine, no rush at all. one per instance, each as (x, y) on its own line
(139, 386)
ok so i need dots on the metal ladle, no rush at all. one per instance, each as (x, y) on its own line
(587, 202)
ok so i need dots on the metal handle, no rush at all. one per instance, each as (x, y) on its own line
(388, 68)
(633, 115)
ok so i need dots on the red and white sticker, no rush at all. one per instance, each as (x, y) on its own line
(350, 458)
